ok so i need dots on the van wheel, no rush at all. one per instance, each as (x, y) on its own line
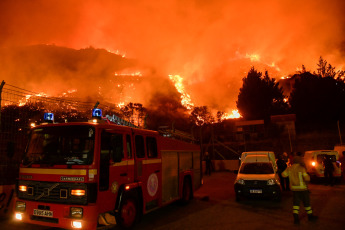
(187, 192)
(128, 212)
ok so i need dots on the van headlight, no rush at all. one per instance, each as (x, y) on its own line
(240, 181)
(271, 182)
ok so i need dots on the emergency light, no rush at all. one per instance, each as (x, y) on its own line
(49, 117)
(97, 113)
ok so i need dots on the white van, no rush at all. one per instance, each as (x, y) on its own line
(340, 149)
(257, 178)
(270, 154)
(314, 162)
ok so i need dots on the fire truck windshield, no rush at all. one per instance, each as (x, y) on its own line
(60, 145)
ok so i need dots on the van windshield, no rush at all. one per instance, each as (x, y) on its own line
(60, 145)
(321, 157)
(257, 168)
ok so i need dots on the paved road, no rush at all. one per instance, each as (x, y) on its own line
(214, 207)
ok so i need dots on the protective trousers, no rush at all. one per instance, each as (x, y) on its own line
(301, 196)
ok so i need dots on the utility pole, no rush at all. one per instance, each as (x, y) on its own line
(1, 86)
(341, 142)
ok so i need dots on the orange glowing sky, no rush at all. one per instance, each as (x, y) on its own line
(200, 40)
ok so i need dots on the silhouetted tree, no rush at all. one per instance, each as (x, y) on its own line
(325, 70)
(260, 96)
(317, 98)
(166, 110)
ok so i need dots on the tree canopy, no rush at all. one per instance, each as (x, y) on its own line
(317, 98)
(260, 96)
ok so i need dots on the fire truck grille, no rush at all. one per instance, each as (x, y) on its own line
(53, 192)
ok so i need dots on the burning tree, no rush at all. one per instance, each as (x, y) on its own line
(135, 113)
(201, 116)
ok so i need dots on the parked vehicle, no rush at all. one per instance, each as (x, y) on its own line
(257, 177)
(314, 162)
(270, 155)
(88, 175)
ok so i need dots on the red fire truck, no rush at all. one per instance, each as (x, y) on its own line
(88, 175)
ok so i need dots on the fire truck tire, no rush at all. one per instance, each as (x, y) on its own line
(187, 192)
(128, 212)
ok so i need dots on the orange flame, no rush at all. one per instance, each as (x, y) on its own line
(185, 97)
(234, 114)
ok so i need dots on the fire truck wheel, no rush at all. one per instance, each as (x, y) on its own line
(187, 192)
(128, 212)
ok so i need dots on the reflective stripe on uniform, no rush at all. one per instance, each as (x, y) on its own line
(308, 210)
(295, 209)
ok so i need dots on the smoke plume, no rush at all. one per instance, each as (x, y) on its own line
(210, 43)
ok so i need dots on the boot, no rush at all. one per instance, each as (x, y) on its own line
(312, 218)
(296, 218)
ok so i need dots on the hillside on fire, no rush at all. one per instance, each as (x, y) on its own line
(69, 82)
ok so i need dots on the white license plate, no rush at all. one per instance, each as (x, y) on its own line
(255, 191)
(45, 213)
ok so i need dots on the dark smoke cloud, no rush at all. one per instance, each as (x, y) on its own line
(208, 42)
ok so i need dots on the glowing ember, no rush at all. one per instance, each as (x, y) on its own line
(23, 101)
(253, 57)
(185, 98)
(136, 74)
(121, 105)
(69, 92)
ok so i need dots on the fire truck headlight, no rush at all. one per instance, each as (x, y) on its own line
(240, 181)
(20, 206)
(76, 212)
(19, 216)
(78, 192)
(22, 188)
(76, 224)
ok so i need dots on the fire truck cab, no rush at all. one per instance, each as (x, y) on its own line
(86, 175)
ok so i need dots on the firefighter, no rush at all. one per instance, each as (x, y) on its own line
(299, 178)
(342, 161)
(281, 163)
(208, 164)
(329, 168)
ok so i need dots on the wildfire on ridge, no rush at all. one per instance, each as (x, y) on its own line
(23, 101)
(233, 115)
(117, 52)
(187, 102)
(185, 97)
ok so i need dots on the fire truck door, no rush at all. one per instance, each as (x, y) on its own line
(148, 171)
(113, 169)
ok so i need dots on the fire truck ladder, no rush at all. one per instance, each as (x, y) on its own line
(119, 121)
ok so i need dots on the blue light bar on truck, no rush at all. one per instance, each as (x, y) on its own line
(49, 117)
(97, 113)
